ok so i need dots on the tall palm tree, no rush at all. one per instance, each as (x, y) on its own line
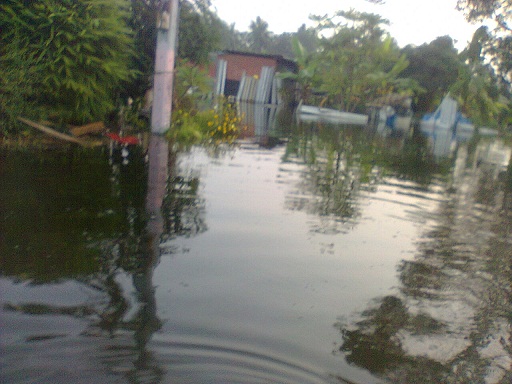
(259, 35)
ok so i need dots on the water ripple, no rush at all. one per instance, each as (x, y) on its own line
(197, 362)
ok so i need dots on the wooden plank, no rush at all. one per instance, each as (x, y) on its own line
(81, 130)
(53, 132)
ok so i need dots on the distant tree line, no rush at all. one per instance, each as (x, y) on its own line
(78, 61)
(348, 58)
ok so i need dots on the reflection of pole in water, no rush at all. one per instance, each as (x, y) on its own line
(157, 182)
(158, 152)
(148, 321)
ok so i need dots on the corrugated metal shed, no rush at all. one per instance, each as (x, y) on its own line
(251, 76)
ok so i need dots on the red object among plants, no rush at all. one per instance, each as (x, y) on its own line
(130, 140)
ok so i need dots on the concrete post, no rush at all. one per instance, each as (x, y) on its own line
(167, 32)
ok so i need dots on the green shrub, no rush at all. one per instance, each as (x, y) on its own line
(186, 128)
(210, 126)
(191, 85)
(19, 74)
(77, 51)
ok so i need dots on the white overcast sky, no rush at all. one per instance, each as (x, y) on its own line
(412, 21)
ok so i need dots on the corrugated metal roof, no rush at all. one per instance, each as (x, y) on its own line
(279, 58)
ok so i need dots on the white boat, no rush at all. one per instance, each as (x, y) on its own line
(446, 117)
(446, 126)
(314, 113)
(391, 113)
(442, 119)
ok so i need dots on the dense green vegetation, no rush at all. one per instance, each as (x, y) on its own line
(73, 56)
(79, 61)
(497, 45)
(199, 34)
(75, 62)
(348, 58)
(359, 61)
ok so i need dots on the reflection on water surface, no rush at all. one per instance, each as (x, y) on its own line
(328, 254)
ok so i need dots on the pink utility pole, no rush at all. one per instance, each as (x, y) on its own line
(167, 33)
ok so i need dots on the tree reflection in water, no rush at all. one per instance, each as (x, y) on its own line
(185, 210)
(451, 320)
(342, 162)
(115, 220)
(173, 208)
(330, 184)
(374, 344)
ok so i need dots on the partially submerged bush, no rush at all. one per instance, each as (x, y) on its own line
(212, 126)
(225, 124)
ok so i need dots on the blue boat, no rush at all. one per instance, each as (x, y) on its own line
(446, 126)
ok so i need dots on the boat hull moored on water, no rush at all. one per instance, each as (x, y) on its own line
(313, 113)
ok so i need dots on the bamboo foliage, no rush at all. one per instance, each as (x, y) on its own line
(81, 50)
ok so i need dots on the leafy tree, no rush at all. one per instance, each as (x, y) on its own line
(260, 40)
(142, 22)
(200, 32)
(308, 37)
(358, 59)
(479, 10)
(259, 35)
(385, 79)
(435, 66)
(476, 86)
(191, 82)
(305, 77)
(281, 45)
(232, 39)
(500, 46)
(79, 49)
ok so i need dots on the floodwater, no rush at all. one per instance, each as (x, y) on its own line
(311, 254)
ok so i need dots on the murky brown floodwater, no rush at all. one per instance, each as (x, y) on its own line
(332, 256)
